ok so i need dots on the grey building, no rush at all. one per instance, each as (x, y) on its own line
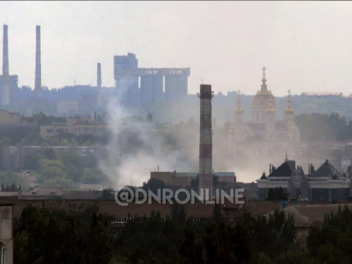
(143, 86)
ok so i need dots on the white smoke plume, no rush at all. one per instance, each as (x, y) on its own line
(135, 148)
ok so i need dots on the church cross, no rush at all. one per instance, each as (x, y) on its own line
(264, 71)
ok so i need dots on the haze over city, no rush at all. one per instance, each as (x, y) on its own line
(306, 46)
(175, 132)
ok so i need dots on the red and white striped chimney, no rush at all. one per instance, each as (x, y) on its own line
(205, 142)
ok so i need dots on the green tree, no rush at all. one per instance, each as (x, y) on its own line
(149, 118)
(31, 162)
(49, 153)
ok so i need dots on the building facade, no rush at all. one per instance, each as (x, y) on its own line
(9, 118)
(76, 126)
(143, 86)
(183, 179)
(324, 184)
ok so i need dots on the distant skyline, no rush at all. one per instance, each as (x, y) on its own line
(305, 46)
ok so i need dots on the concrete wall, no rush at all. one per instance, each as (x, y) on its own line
(6, 232)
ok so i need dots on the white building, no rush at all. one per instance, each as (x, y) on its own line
(67, 107)
(323, 184)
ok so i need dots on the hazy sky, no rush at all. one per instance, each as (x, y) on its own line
(305, 46)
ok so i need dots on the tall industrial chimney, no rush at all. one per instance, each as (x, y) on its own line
(38, 65)
(99, 76)
(5, 94)
(205, 142)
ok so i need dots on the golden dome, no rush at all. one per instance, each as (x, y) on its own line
(270, 110)
(264, 95)
(239, 110)
(289, 110)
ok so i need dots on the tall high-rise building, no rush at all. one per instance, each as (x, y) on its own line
(126, 80)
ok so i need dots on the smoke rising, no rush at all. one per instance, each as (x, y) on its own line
(137, 147)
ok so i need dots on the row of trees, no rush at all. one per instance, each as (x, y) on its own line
(68, 168)
(11, 181)
(324, 127)
(57, 236)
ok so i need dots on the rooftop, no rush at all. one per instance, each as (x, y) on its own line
(326, 170)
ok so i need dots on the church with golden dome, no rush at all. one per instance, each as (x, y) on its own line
(264, 126)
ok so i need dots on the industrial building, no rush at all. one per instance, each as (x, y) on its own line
(75, 126)
(143, 86)
(183, 179)
(8, 83)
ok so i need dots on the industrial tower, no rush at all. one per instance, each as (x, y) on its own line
(205, 142)
(38, 65)
(5, 95)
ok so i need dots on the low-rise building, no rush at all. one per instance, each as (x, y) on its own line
(53, 130)
(183, 179)
(76, 126)
(9, 118)
(324, 184)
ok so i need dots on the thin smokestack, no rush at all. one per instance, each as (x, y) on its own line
(99, 76)
(205, 141)
(5, 53)
(38, 65)
(5, 95)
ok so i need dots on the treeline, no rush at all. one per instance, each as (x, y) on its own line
(64, 170)
(57, 236)
(316, 127)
